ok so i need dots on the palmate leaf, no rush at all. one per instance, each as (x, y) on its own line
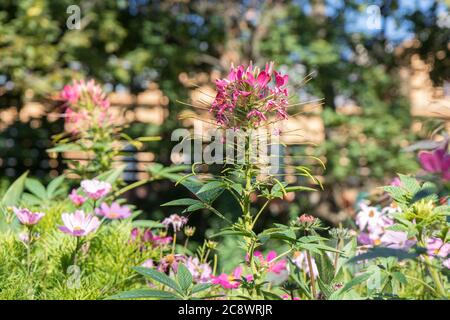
(14, 192)
(184, 277)
(159, 277)
(409, 183)
(201, 287)
(53, 188)
(145, 293)
(36, 188)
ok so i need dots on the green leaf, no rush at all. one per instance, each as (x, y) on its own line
(354, 282)
(270, 296)
(201, 287)
(159, 277)
(213, 185)
(381, 252)
(325, 267)
(181, 202)
(54, 185)
(184, 277)
(145, 293)
(299, 188)
(409, 183)
(195, 207)
(65, 147)
(147, 224)
(30, 200)
(208, 196)
(12, 195)
(36, 188)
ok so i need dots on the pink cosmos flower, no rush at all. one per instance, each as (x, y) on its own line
(367, 217)
(79, 224)
(148, 237)
(231, 281)
(249, 95)
(396, 240)
(176, 221)
(77, 199)
(96, 189)
(436, 247)
(27, 217)
(115, 211)
(201, 272)
(437, 161)
(446, 263)
(148, 263)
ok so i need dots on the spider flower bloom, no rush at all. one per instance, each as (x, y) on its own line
(115, 211)
(176, 221)
(249, 96)
(437, 161)
(79, 224)
(77, 199)
(436, 247)
(231, 281)
(96, 189)
(27, 217)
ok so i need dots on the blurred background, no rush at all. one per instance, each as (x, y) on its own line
(382, 68)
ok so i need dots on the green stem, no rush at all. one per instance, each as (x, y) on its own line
(311, 275)
(174, 241)
(436, 278)
(259, 213)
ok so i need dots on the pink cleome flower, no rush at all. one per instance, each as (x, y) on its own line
(79, 224)
(249, 96)
(114, 211)
(270, 263)
(27, 217)
(95, 189)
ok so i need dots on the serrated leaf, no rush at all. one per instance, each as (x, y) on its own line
(184, 277)
(409, 183)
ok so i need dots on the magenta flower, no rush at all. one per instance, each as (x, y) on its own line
(270, 263)
(77, 199)
(437, 161)
(96, 189)
(436, 247)
(250, 96)
(176, 221)
(201, 272)
(27, 217)
(115, 211)
(396, 240)
(79, 224)
(288, 297)
(231, 281)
